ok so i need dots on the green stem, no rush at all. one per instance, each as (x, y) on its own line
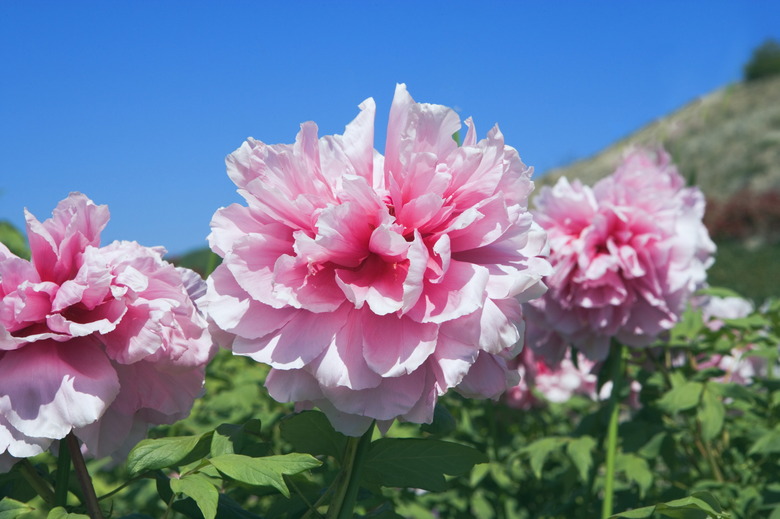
(612, 429)
(85, 481)
(343, 504)
(40, 485)
(63, 476)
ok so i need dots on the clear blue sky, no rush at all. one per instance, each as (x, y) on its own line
(136, 103)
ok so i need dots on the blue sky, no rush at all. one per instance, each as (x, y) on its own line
(137, 103)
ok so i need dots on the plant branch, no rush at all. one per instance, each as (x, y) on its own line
(63, 475)
(90, 499)
(355, 453)
(614, 410)
(40, 485)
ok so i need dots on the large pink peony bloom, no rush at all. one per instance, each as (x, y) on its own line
(627, 255)
(371, 285)
(99, 341)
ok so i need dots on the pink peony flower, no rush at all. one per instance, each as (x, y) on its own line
(627, 255)
(100, 341)
(371, 285)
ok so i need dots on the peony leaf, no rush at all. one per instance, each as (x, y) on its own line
(539, 450)
(311, 432)
(636, 469)
(443, 422)
(682, 397)
(237, 439)
(701, 505)
(266, 471)
(200, 489)
(711, 415)
(768, 443)
(11, 508)
(580, 450)
(61, 513)
(167, 452)
(418, 463)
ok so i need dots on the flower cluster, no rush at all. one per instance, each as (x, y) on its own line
(373, 284)
(627, 254)
(98, 341)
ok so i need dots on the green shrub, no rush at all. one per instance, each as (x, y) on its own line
(765, 61)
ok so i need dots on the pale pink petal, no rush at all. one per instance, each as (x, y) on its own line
(458, 293)
(395, 346)
(300, 340)
(48, 389)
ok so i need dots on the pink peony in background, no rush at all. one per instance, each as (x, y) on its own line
(100, 341)
(559, 382)
(371, 285)
(740, 365)
(627, 255)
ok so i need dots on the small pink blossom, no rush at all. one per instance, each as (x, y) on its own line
(626, 254)
(371, 285)
(558, 383)
(740, 366)
(99, 341)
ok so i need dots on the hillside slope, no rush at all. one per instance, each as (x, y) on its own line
(725, 142)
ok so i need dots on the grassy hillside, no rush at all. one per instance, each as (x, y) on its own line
(727, 141)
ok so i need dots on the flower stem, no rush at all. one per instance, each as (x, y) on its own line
(63, 476)
(617, 381)
(90, 499)
(40, 485)
(343, 504)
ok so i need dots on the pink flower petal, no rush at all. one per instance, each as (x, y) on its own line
(48, 389)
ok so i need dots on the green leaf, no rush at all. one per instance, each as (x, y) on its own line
(266, 471)
(167, 452)
(200, 489)
(11, 508)
(719, 292)
(711, 415)
(767, 443)
(539, 450)
(443, 422)
(580, 450)
(700, 505)
(418, 463)
(743, 323)
(689, 326)
(236, 439)
(637, 513)
(682, 397)
(311, 432)
(636, 469)
(61, 513)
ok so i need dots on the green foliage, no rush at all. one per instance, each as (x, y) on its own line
(10, 508)
(418, 463)
(700, 505)
(765, 61)
(61, 513)
(14, 240)
(700, 444)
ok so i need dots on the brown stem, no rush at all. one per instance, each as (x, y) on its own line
(90, 498)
